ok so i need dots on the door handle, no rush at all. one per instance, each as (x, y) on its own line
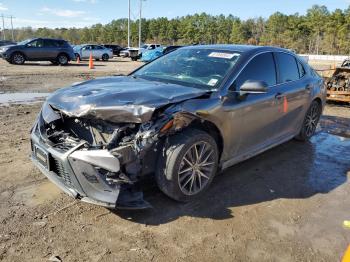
(279, 96)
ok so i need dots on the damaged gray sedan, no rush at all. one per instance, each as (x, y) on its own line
(180, 118)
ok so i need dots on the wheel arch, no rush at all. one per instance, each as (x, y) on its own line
(63, 53)
(18, 52)
(206, 126)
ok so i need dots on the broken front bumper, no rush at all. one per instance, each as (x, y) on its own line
(4, 55)
(77, 171)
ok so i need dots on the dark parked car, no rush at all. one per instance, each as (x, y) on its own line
(7, 42)
(115, 48)
(38, 49)
(181, 118)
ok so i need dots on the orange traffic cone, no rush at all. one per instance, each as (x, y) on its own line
(78, 60)
(91, 62)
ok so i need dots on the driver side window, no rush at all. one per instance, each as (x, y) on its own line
(260, 68)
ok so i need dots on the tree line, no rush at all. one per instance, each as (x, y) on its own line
(319, 31)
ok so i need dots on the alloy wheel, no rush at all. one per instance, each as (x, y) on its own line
(196, 168)
(18, 59)
(312, 119)
(62, 59)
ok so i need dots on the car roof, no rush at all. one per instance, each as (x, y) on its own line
(46, 38)
(238, 48)
(90, 44)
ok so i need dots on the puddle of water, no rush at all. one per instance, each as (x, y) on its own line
(331, 163)
(21, 98)
(37, 194)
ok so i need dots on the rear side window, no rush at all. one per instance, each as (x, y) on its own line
(301, 68)
(61, 43)
(50, 43)
(260, 68)
(288, 68)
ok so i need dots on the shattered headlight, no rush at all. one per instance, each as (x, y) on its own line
(48, 114)
(4, 49)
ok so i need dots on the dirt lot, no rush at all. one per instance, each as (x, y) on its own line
(287, 204)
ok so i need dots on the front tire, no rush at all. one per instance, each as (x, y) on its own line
(18, 58)
(187, 165)
(105, 57)
(310, 122)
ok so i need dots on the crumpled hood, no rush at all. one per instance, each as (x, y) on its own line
(119, 99)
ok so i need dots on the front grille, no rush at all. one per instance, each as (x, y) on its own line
(58, 168)
(63, 147)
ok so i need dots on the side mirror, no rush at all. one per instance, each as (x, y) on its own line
(253, 87)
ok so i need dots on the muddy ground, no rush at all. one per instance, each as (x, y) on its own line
(287, 204)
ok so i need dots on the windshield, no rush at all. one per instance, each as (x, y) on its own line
(24, 42)
(201, 68)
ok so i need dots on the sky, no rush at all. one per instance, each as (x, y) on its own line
(80, 13)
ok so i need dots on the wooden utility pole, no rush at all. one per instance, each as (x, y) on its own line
(13, 39)
(129, 25)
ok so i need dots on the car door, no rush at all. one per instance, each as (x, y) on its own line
(294, 92)
(34, 50)
(254, 116)
(98, 51)
(85, 51)
(49, 49)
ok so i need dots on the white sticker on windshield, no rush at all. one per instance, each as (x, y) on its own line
(212, 82)
(223, 55)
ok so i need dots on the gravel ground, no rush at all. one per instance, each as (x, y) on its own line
(287, 204)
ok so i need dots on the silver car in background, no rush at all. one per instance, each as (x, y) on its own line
(98, 52)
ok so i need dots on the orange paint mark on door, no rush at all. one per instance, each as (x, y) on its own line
(285, 105)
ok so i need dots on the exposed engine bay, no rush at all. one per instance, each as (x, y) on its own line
(134, 145)
(338, 84)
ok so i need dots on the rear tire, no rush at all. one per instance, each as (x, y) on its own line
(62, 59)
(187, 165)
(18, 58)
(310, 122)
